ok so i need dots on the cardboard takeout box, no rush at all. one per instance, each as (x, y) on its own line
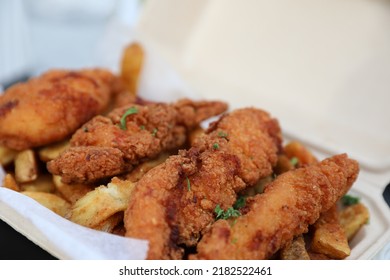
(321, 67)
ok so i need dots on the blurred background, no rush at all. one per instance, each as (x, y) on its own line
(330, 58)
(37, 35)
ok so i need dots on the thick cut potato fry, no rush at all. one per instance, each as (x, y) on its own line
(132, 61)
(102, 203)
(50, 201)
(352, 218)
(144, 167)
(296, 250)
(71, 193)
(329, 236)
(7, 155)
(283, 165)
(53, 151)
(26, 168)
(43, 183)
(318, 256)
(258, 188)
(10, 183)
(111, 223)
(299, 151)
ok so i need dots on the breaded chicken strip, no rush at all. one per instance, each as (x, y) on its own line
(51, 107)
(291, 203)
(108, 146)
(175, 201)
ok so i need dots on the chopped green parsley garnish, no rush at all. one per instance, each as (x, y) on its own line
(222, 134)
(215, 146)
(225, 214)
(234, 240)
(130, 111)
(348, 200)
(294, 161)
(154, 132)
(188, 184)
(230, 212)
(240, 202)
(142, 127)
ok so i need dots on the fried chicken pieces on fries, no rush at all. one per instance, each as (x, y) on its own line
(174, 202)
(112, 145)
(232, 191)
(291, 203)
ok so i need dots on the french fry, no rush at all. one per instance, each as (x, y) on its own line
(102, 203)
(50, 201)
(26, 168)
(144, 167)
(71, 193)
(110, 224)
(296, 250)
(53, 151)
(318, 256)
(329, 236)
(283, 165)
(43, 183)
(7, 155)
(352, 218)
(131, 65)
(258, 188)
(295, 149)
(10, 182)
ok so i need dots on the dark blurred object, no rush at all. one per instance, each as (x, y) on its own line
(18, 80)
(386, 194)
(15, 246)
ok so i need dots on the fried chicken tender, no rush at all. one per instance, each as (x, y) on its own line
(108, 146)
(51, 107)
(175, 201)
(291, 203)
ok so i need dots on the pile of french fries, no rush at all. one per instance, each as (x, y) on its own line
(102, 207)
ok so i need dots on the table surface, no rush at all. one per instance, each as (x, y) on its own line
(15, 246)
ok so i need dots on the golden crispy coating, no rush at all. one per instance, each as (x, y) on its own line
(292, 202)
(175, 201)
(87, 163)
(49, 108)
(149, 130)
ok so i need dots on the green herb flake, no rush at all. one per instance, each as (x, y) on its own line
(234, 240)
(225, 214)
(130, 111)
(154, 132)
(240, 202)
(348, 200)
(222, 134)
(294, 161)
(231, 212)
(188, 184)
(219, 211)
(215, 146)
(142, 127)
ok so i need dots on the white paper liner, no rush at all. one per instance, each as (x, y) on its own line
(65, 239)
(62, 238)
